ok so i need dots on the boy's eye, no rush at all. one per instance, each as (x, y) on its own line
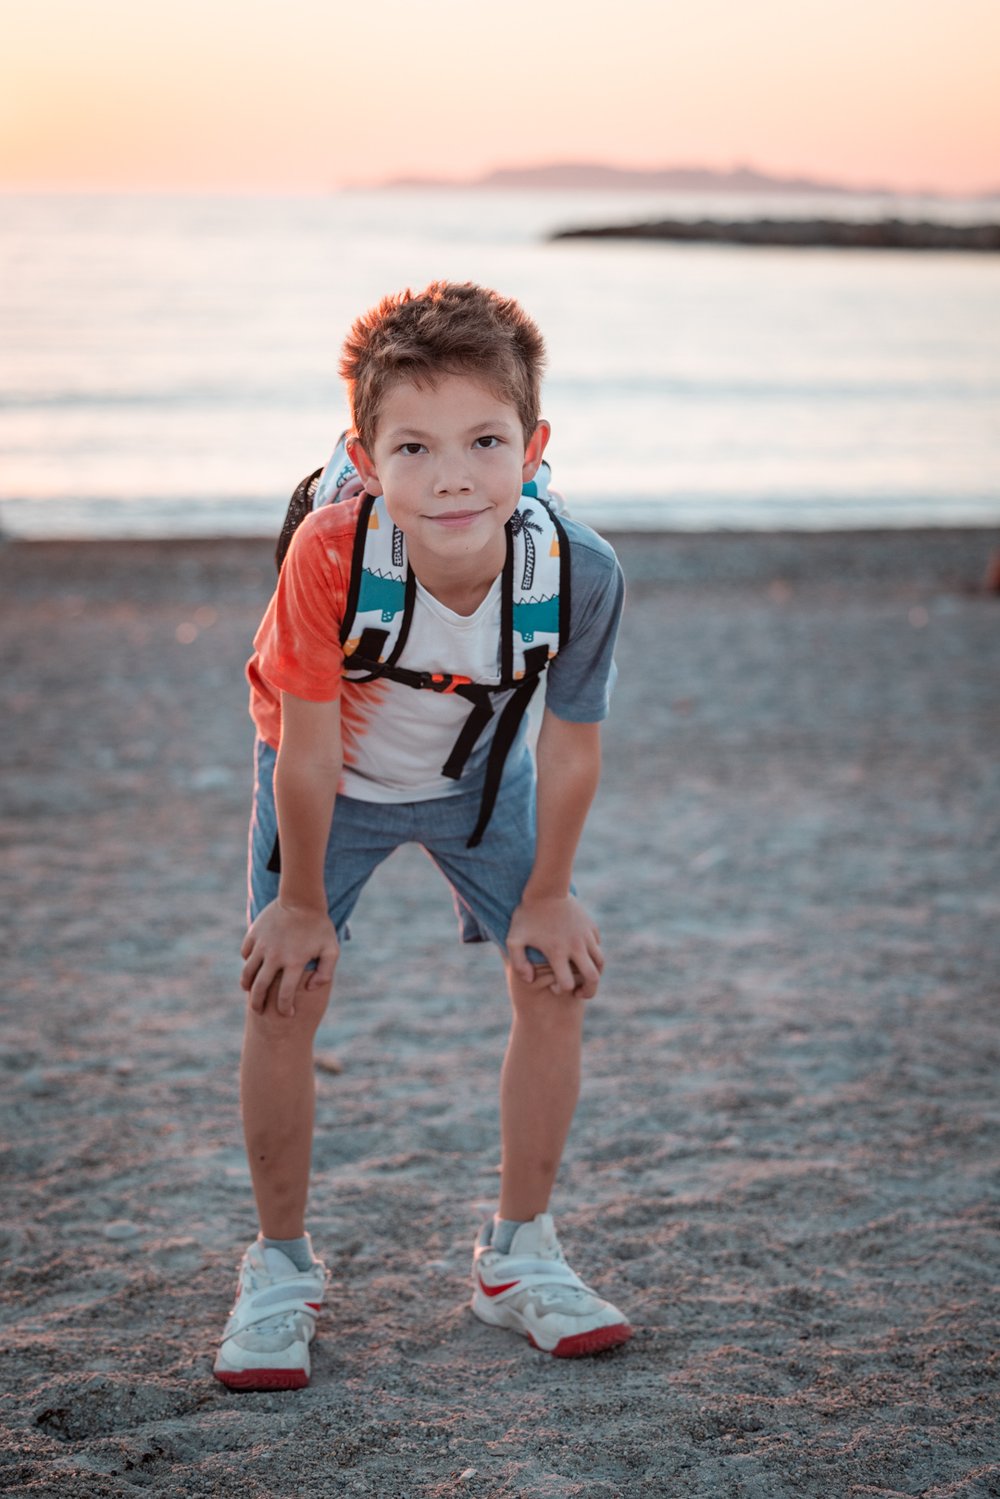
(411, 449)
(487, 442)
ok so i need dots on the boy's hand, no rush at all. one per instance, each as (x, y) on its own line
(282, 941)
(559, 927)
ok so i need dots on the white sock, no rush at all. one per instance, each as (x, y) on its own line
(504, 1230)
(297, 1250)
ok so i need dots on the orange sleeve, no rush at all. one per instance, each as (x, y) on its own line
(297, 647)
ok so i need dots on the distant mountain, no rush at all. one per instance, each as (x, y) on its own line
(590, 176)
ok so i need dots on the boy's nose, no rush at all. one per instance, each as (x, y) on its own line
(452, 477)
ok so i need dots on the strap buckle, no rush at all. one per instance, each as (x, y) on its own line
(442, 681)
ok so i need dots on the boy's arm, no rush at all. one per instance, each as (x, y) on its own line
(549, 916)
(295, 929)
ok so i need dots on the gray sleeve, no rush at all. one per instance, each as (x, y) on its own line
(582, 675)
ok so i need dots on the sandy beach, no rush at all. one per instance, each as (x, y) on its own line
(784, 1162)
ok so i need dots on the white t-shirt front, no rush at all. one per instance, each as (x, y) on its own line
(417, 729)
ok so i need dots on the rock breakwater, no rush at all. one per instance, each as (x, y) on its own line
(839, 234)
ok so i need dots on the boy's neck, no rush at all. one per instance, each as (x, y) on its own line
(460, 583)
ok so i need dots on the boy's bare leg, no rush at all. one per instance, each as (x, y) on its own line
(539, 1087)
(277, 1101)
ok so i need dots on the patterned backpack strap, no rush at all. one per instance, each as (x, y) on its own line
(537, 578)
(381, 595)
(534, 622)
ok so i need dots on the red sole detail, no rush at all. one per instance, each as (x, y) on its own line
(263, 1379)
(583, 1343)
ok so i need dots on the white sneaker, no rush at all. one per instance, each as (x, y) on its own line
(533, 1291)
(265, 1343)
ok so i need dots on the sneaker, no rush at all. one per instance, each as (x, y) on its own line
(533, 1291)
(265, 1343)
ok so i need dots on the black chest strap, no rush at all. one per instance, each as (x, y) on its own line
(480, 695)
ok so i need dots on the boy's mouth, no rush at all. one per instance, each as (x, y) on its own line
(455, 517)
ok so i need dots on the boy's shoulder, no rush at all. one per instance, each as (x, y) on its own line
(587, 544)
(324, 541)
(597, 580)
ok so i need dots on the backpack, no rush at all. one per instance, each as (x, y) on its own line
(534, 610)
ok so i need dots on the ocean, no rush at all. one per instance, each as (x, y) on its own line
(169, 363)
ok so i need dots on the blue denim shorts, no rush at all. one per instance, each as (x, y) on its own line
(486, 882)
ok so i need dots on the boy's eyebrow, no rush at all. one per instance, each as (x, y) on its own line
(395, 433)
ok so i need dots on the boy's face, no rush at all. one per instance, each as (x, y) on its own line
(450, 459)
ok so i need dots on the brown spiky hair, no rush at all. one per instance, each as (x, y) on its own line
(448, 328)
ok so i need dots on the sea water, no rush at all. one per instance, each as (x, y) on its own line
(169, 364)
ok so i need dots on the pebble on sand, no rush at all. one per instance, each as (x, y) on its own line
(120, 1228)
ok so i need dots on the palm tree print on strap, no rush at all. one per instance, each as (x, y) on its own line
(521, 524)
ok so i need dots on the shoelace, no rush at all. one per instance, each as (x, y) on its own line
(552, 1295)
(280, 1322)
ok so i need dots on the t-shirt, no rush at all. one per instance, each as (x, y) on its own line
(397, 738)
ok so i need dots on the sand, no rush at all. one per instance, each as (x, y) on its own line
(784, 1163)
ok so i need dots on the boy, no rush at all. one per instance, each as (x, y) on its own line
(444, 391)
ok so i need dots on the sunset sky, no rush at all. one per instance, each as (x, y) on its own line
(295, 95)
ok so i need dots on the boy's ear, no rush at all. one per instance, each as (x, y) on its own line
(534, 450)
(358, 455)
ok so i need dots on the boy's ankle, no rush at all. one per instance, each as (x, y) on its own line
(299, 1250)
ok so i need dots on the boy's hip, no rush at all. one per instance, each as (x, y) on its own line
(487, 880)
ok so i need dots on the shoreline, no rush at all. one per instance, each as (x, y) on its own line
(958, 556)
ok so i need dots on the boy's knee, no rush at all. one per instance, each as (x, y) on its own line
(308, 1008)
(536, 1003)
